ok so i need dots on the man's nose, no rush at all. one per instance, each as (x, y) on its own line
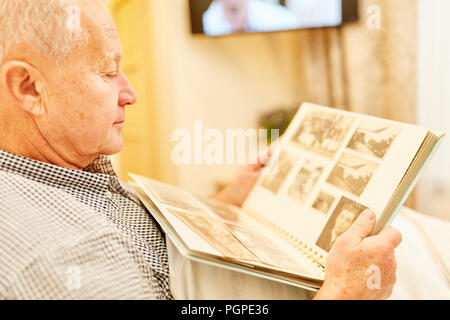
(128, 95)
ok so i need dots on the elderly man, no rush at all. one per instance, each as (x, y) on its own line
(69, 227)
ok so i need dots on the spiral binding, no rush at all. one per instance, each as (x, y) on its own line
(301, 246)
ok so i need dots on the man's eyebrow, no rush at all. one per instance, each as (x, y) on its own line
(118, 58)
(113, 56)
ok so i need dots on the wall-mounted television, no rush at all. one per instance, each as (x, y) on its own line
(225, 17)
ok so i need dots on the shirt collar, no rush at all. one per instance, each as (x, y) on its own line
(99, 176)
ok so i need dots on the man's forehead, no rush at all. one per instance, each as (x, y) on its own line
(104, 39)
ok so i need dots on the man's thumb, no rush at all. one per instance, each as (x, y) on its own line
(363, 225)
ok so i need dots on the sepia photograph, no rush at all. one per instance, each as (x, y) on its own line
(263, 247)
(215, 234)
(374, 138)
(173, 196)
(323, 132)
(223, 211)
(341, 219)
(352, 173)
(323, 202)
(306, 180)
(286, 162)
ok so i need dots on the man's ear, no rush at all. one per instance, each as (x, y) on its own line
(25, 86)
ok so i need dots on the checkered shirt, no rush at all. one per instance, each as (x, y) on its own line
(69, 234)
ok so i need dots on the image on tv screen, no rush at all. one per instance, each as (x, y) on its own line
(223, 17)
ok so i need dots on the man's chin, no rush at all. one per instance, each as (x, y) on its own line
(114, 148)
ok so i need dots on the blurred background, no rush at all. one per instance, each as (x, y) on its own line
(190, 61)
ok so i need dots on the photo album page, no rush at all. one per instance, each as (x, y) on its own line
(213, 228)
(330, 166)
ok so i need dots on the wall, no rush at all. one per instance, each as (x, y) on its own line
(434, 102)
(228, 82)
(140, 132)
(225, 82)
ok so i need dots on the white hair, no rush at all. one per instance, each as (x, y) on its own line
(52, 27)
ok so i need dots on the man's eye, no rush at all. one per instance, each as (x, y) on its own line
(110, 75)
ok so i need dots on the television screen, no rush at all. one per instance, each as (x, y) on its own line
(223, 17)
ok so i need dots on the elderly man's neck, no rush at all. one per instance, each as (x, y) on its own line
(35, 146)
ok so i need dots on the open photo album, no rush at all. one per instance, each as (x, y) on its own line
(329, 167)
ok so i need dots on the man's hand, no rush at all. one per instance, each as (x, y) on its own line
(237, 191)
(353, 258)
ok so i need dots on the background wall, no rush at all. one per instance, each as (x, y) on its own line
(434, 101)
(226, 82)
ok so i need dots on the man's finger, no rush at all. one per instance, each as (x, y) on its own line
(265, 155)
(363, 225)
(392, 235)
